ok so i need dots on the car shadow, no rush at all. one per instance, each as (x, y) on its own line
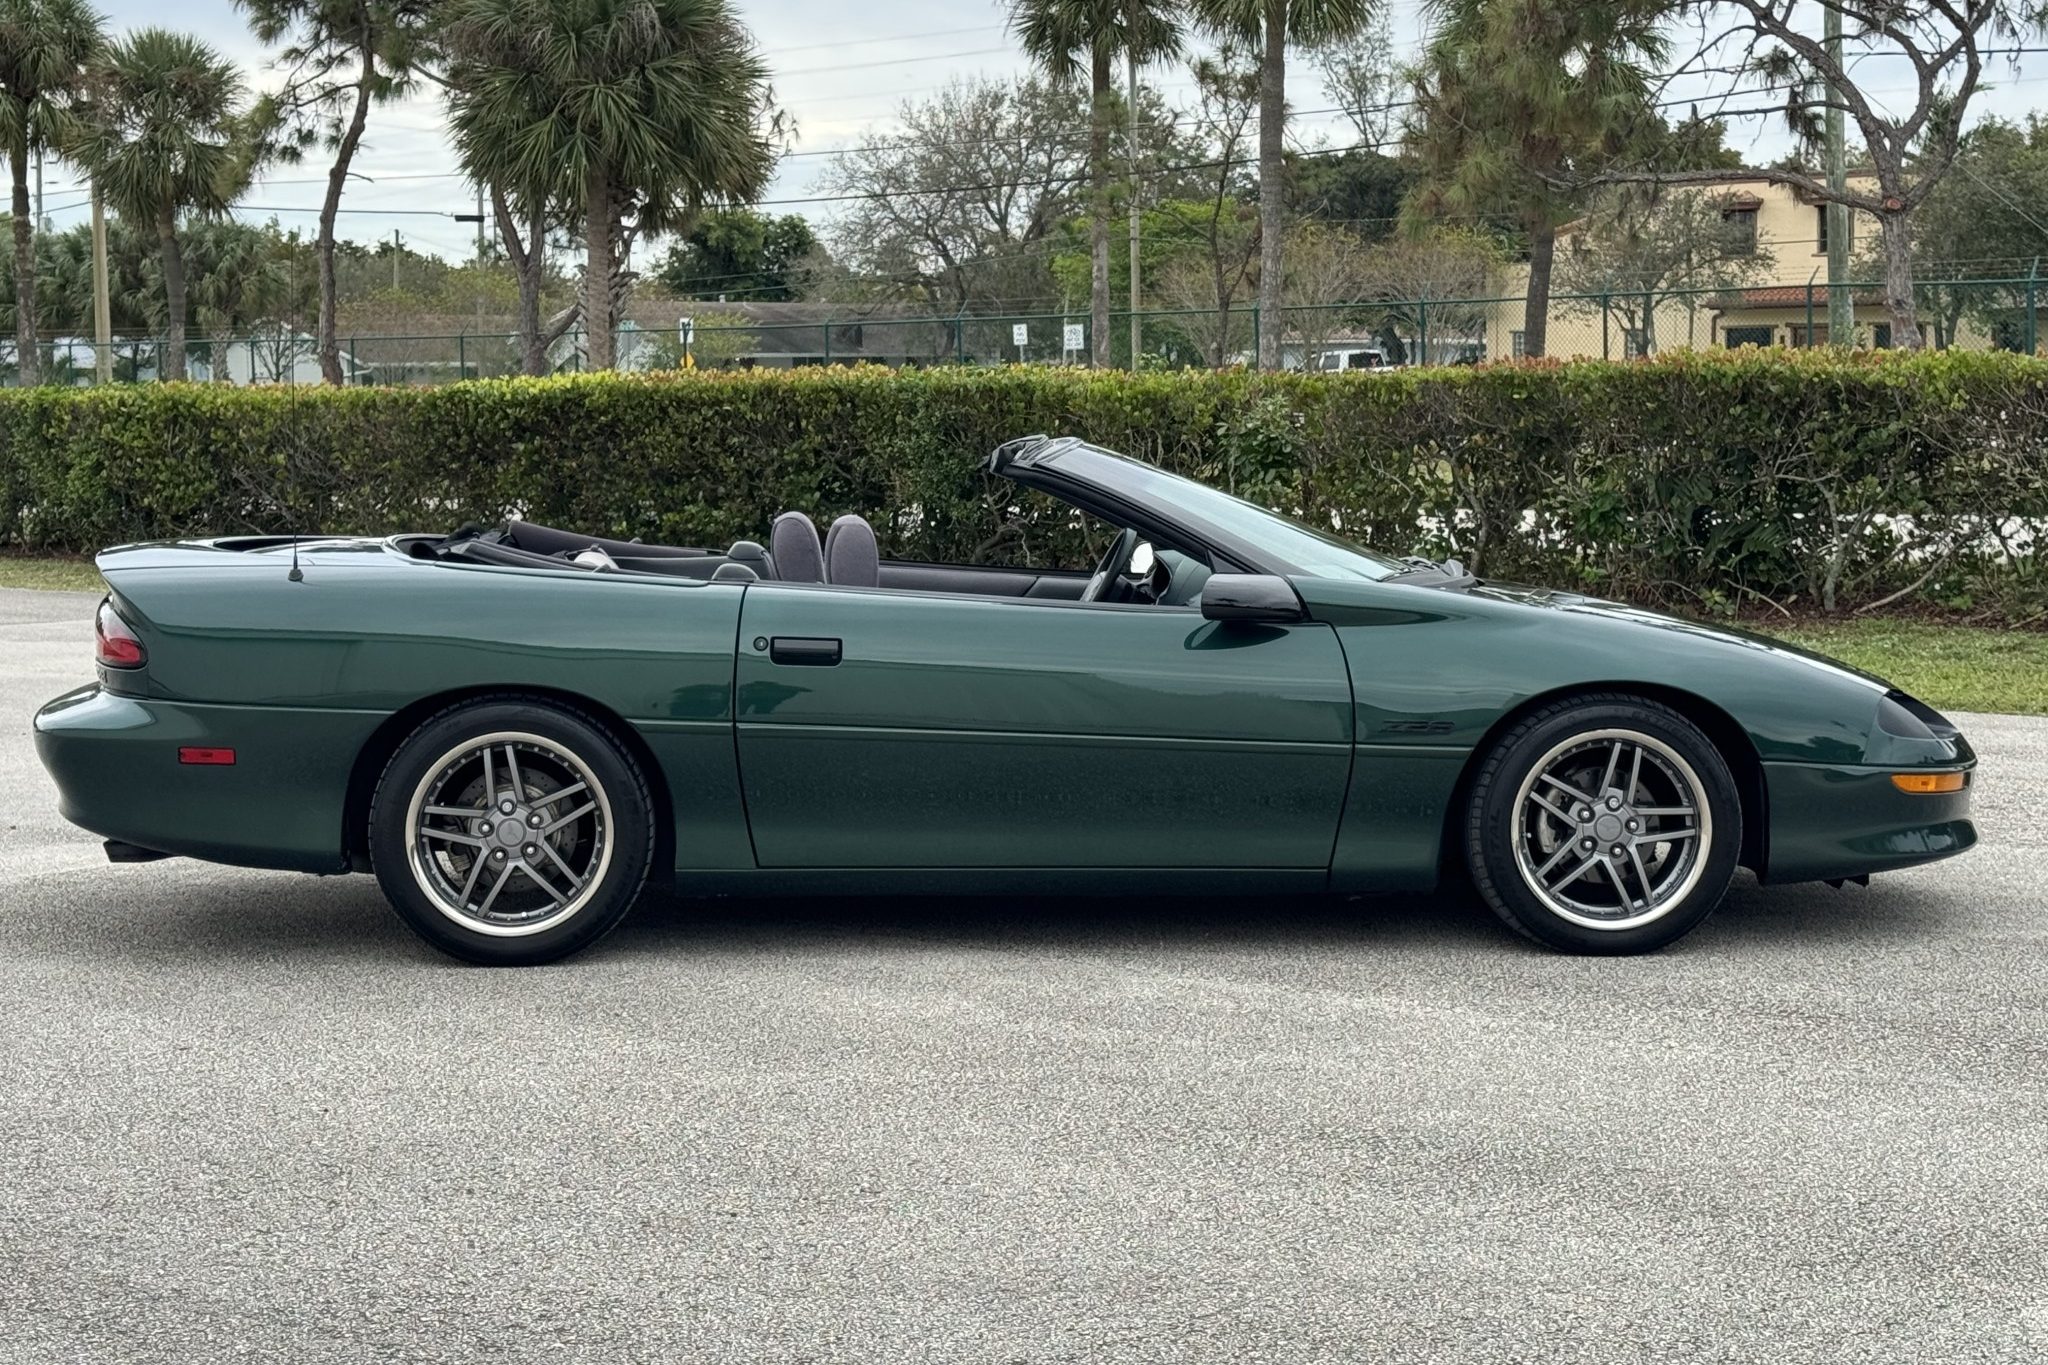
(1451, 921)
(226, 917)
(664, 923)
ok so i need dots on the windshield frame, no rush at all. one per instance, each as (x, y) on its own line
(1237, 531)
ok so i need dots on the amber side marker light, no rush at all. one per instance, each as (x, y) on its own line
(1929, 784)
(219, 758)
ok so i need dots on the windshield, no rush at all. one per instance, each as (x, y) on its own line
(1307, 550)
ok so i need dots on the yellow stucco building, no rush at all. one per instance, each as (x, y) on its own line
(1785, 304)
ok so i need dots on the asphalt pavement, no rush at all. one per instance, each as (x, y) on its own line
(246, 1116)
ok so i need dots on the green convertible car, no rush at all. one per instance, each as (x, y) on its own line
(515, 730)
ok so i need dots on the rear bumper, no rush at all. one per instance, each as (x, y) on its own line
(115, 762)
(1839, 821)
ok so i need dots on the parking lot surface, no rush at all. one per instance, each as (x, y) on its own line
(245, 1115)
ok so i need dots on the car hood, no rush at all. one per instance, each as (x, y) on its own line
(1581, 605)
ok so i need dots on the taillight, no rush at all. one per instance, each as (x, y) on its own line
(117, 646)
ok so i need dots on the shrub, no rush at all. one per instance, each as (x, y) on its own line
(1706, 478)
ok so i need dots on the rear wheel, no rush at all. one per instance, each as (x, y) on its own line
(511, 831)
(1605, 824)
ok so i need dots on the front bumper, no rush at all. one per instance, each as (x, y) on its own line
(1829, 821)
(116, 765)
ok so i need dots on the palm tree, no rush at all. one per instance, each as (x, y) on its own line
(521, 211)
(44, 48)
(1514, 99)
(639, 112)
(1267, 27)
(343, 56)
(161, 134)
(237, 273)
(1058, 34)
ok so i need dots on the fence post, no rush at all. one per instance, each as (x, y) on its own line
(2033, 327)
(1809, 311)
(827, 328)
(1255, 336)
(1422, 331)
(462, 355)
(1606, 317)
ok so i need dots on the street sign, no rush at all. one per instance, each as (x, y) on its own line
(688, 329)
(1076, 337)
(1020, 335)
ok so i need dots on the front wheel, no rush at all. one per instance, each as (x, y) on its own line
(511, 831)
(1605, 824)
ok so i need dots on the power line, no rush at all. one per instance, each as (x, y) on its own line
(893, 61)
(860, 196)
(893, 38)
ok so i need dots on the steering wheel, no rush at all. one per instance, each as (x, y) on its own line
(1114, 561)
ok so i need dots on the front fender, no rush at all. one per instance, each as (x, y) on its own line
(1440, 668)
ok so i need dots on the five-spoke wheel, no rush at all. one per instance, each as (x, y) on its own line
(511, 831)
(511, 834)
(1604, 824)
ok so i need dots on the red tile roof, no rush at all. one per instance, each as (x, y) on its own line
(1787, 296)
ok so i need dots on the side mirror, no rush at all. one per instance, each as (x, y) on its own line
(1251, 597)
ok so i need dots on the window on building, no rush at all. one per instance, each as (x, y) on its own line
(1747, 336)
(1881, 335)
(1742, 222)
(1820, 234)
(1802, 335)
(1518, 344)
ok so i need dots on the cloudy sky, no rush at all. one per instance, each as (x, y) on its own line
(841, 70)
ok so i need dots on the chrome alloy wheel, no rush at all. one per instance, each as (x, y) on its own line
(1611, 829)
(511, 834)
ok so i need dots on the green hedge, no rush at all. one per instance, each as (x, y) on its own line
(1710, 479)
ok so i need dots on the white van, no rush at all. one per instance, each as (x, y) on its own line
(1354, 358)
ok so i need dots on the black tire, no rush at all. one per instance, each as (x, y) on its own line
(1637, 893)
(504, 890)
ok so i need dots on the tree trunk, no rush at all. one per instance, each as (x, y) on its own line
(328, 344)
(1536, 308)
(172, 366)
(1898, 279)
(28, 363)
(529, 263)
(1220, 353)
(1272, 209)
(1098, 211)
(532, 271)
(598, 318)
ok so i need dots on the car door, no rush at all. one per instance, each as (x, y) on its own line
(886, 728)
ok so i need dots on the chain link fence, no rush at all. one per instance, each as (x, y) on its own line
(1359, 335)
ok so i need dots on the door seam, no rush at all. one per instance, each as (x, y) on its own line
(1351, 769)
(732, 709)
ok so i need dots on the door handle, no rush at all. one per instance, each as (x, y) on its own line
(804, 651)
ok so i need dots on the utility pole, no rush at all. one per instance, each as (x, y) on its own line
(1841, 308)
(397, 247)
(42, 223)
(479, 224)
(102, 307)
(1137, 290)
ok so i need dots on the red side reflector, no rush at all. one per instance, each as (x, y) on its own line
(224, 758)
